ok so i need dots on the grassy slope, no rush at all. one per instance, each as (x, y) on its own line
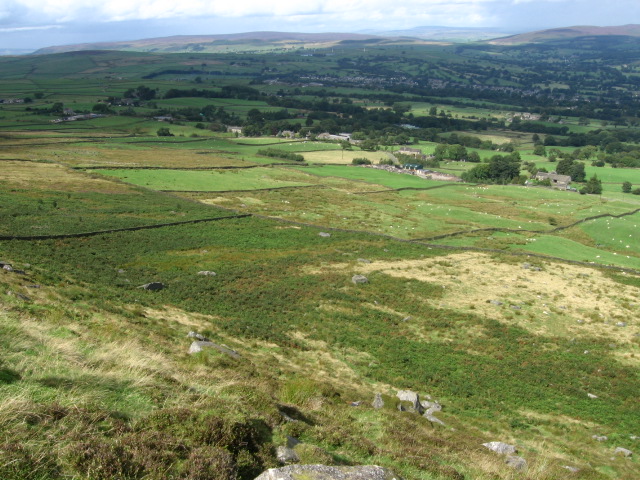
(95, 381)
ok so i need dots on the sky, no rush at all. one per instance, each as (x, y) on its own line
(30, 24)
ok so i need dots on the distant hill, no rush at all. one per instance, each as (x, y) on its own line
(444, 34)
(217, 43)
(568, 33)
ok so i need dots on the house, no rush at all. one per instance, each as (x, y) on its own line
(557, 181)
(286, 134)
(232, 129)
(415, 152)
(341, 137)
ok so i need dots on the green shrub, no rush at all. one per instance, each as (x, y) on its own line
(276, 153)
(361, 161)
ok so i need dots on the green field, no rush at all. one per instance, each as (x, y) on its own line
(208, 181)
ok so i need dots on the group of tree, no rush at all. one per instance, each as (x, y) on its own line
(501, 169)
(281, 154)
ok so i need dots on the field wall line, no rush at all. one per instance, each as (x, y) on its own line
(456, 247)
(513, 230)
(272, 189)
(116, 230)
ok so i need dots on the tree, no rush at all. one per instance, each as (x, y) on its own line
(626, 187)
(593, 186)
(473, 157)
(539, 150)
(102, 108)
(164, 132)
(57, 108)
(456, 152)
(577, 172)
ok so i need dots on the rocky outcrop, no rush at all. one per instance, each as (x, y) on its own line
(500, 447)
(515, 462)
(198, 346)
(286, 455)
(622, 451)
(324, 472)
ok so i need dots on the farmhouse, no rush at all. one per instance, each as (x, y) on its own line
(557, 181)
(233, 129)
(416, 152)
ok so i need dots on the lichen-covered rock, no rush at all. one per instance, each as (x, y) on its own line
(324, 472)
(286, 455)
(198, 346)
(515, 462)
(359, 279)
(623, 451)
(377, 401)
(324, 234)
(500, 447)
(407, 396)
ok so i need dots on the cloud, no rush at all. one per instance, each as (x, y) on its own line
(62, 11)
(28, 29)
(102, 20)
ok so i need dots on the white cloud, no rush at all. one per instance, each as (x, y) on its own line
(119, 10)
(28, 29)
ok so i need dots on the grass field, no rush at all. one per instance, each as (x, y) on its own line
(218, 180)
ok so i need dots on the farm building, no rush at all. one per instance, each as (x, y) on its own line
(410, 151)
(557, 181)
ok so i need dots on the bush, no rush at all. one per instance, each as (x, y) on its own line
(164, 132)
(361, 161)
(276, 153)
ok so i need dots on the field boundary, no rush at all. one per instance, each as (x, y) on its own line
(513, 230)
(116, 230)
(457, 247)
(401, 189)
(288, 187)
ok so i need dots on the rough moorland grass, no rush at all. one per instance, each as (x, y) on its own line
(272, 282)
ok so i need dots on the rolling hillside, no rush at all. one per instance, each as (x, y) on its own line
(540, 36)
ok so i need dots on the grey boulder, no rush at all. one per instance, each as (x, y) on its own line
(198, 346)
(287, 455)
(500, 447)
(324, 472)
(359, 279)
(515, 462)
(623, 451)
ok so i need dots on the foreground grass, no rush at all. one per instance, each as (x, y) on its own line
(283, 298)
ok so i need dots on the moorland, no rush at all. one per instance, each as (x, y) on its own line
(254, 184)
